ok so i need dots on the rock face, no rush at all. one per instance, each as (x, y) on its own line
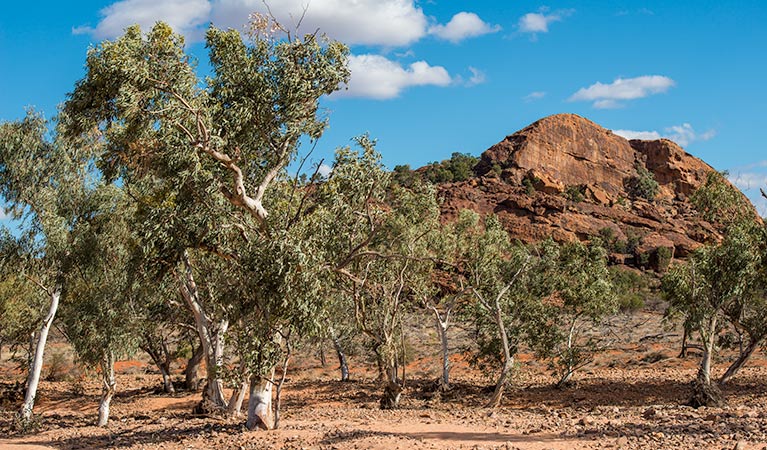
(566, 177)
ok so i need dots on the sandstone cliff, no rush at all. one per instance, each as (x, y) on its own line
(566, 177)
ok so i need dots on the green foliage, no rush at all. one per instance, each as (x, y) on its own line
(575, 193)
(21, 308)
(719, 202)
(611, 242)
(663, 257)
(608, 236)
(642, 185)
(460, 167)
(507, 279)
(100, 316)
(234, 132)
(496, 169)
(404, 176)
(631, 288)
(584, 295)
(529, 187)
(719, 285)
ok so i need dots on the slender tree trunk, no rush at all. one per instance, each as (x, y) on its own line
(683, 352)
(238, 395)
(192, 370)
(212, 339)
(323, 359)
(341, 355)
(36, 365)
(234, 408)
(161, 358)
(260, 414)
(278, 395)
(442, 326)
(215, 384)
(743, 358)
(393, 390)
(382, 371)
(108, 389)
(570, 365)
(508, 361)
(705, 390)
(167, 380)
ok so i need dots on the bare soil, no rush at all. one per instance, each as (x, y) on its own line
(631, 397)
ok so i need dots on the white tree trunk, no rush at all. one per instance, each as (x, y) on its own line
(234, 407)
(212, 340)
(36, 366)
(108, 389)
(260, 413)
(442, 326)
(705, 390)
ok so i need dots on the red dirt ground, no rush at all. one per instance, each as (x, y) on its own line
(623, 400)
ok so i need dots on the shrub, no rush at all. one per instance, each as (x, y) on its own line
(529, 188)
(632, 243)
(575, 193)
(460, 167)
(663, 255)
(620, 247)
(58, 367)
(642, 184)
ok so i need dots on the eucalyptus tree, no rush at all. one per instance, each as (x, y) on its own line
(389, 273)
(228, 137)
(715, 280)
(508, 282)
(100, 318)
(721, 286)
(245, 122)
(583, 296)
(447, 289)
(46, 182)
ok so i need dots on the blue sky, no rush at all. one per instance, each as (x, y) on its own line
(433, 77)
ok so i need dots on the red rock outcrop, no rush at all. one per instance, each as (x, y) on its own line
(529, 180)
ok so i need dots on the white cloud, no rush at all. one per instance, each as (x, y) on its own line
(755, 165)
(367, 22)
(607, 104)
(683, 134)
(185, 16)
(749, 180)
(375, 76)
(539, 22)
(324, 170)
(644, 135)
(462, 26)
(751, 183)
(607, 96)
(533, 96)
(477, 77)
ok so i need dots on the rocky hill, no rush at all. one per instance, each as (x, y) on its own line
(566, 177)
